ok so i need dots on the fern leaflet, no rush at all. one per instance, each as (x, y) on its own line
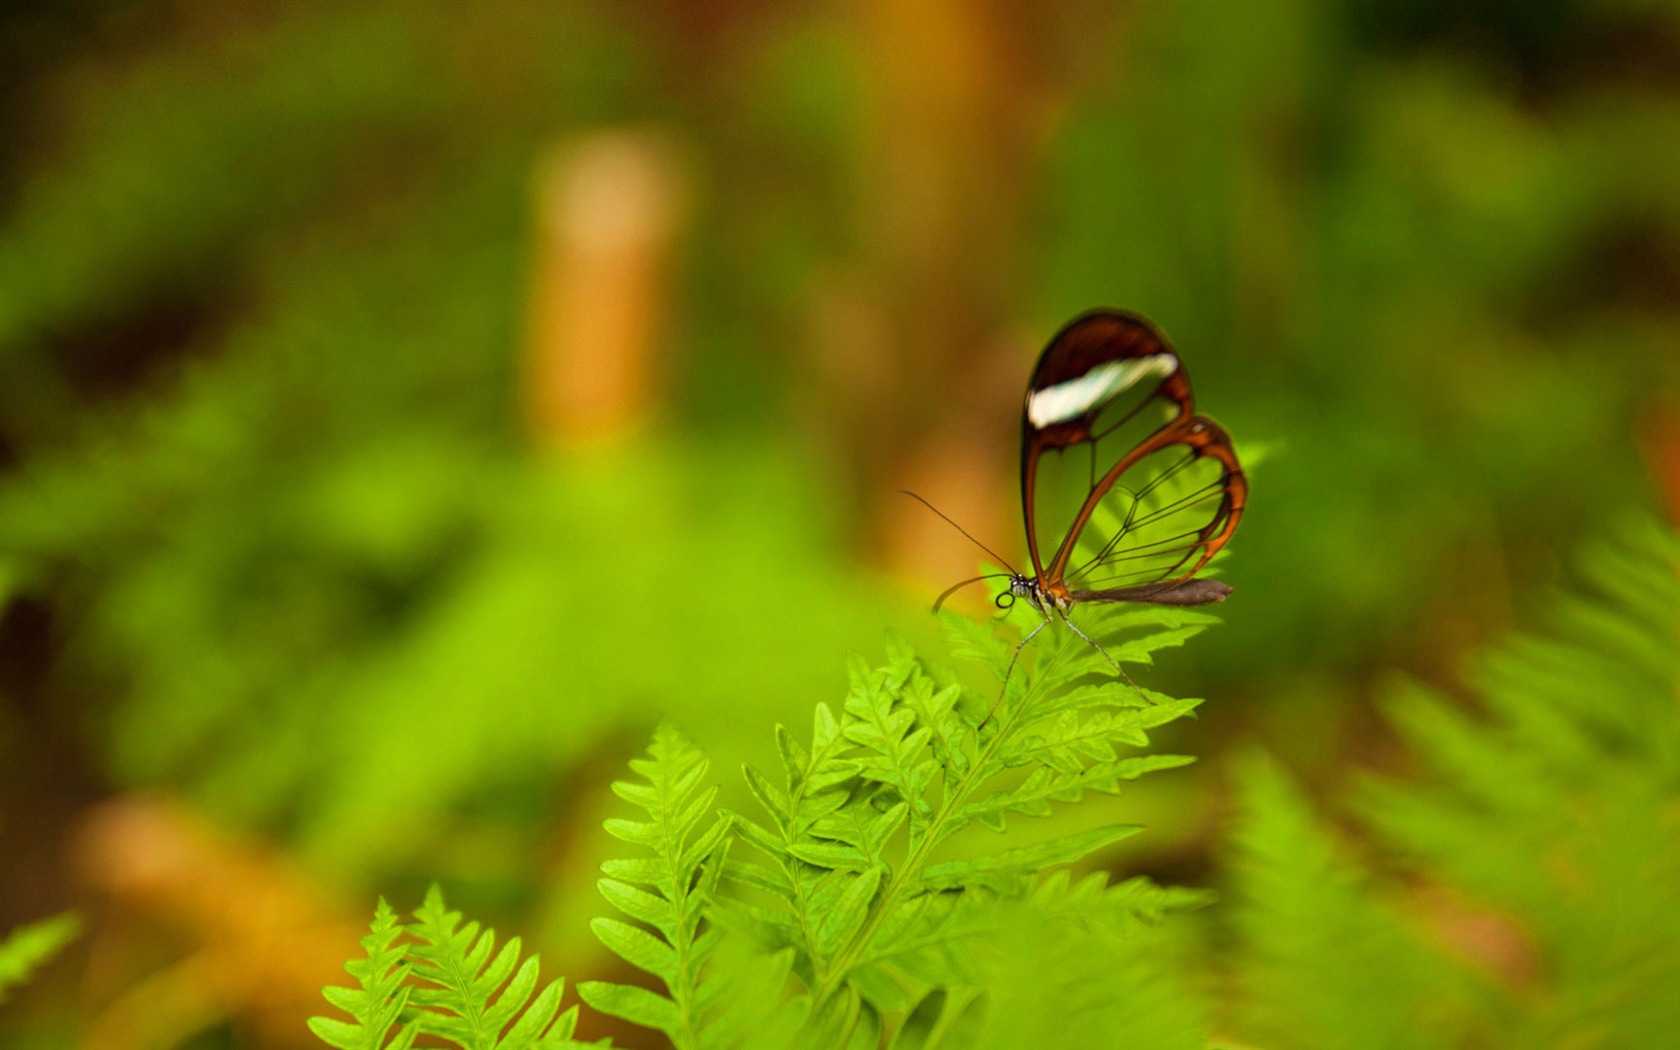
(462, 972)
(667, 892)
(379, 1001)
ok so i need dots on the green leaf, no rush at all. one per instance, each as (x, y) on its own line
(758, 876)
(825, 730)
(636, 1005)
(643, 871)
(540, 1017)
(906, 758)
(650, 908)
(756, 835)
(1085, 972)
(1000, 871)
(937, 711)
(813, 806)
(974, 641)
(831, 855)
(772, 798)
(1547, 807)
(795, 758)
(1046, 785)
(848, 912)
(830, 774)
(682, 880)
(638, 948)
(380, 997)
(833, 1021)
(758, 982)
(916, 1030)
(866, 1029)
(468, 997)
(881, 828)
(637, 833)
(516, 994)
(926, 940)
(878, 988)
(704, 847)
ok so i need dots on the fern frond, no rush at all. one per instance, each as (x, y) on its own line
(755, 1012)
(976, 642)
(1094, 902)
(849, 924)
(927, 942)
(850, 879)
(1555, 810)
(1007, 872)
(1085, 964)
(463, 972)
(942, 1019)
(1329, 962)
(379, 1001)
(1046, 785)
(668, 892)
(893, 743)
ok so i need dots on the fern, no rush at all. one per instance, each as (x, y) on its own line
(860, 882)
(445, 985)
(1091, 964)
(381, 997)
(867, 915)
(668, 892)
(462, 978)
(1556, 811)
(27, 947)
(1328, 961)
(1538, 897)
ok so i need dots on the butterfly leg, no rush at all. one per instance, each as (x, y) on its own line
(1022, 644)
(1117, 668)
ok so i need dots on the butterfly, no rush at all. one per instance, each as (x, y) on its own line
(1126, 491)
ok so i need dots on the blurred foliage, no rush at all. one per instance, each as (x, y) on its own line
(1447, 299)
(27, 947)
(323, 524)
(1521, 892)
(273, 538)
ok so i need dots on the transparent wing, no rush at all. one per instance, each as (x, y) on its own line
(1123, 486)
(1163, 517)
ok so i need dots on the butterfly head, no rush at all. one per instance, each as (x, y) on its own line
(1019, 587)
(1028, 587)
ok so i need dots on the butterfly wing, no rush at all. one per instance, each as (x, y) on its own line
(1127, 492)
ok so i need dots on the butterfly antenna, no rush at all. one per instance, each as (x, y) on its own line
(1000, 558)
(955, 587)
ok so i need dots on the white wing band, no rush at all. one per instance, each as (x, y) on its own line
(1077, 397)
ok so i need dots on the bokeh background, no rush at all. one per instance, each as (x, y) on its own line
(405, 406)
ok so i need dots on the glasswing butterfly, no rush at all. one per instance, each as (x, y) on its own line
(1127, 492)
